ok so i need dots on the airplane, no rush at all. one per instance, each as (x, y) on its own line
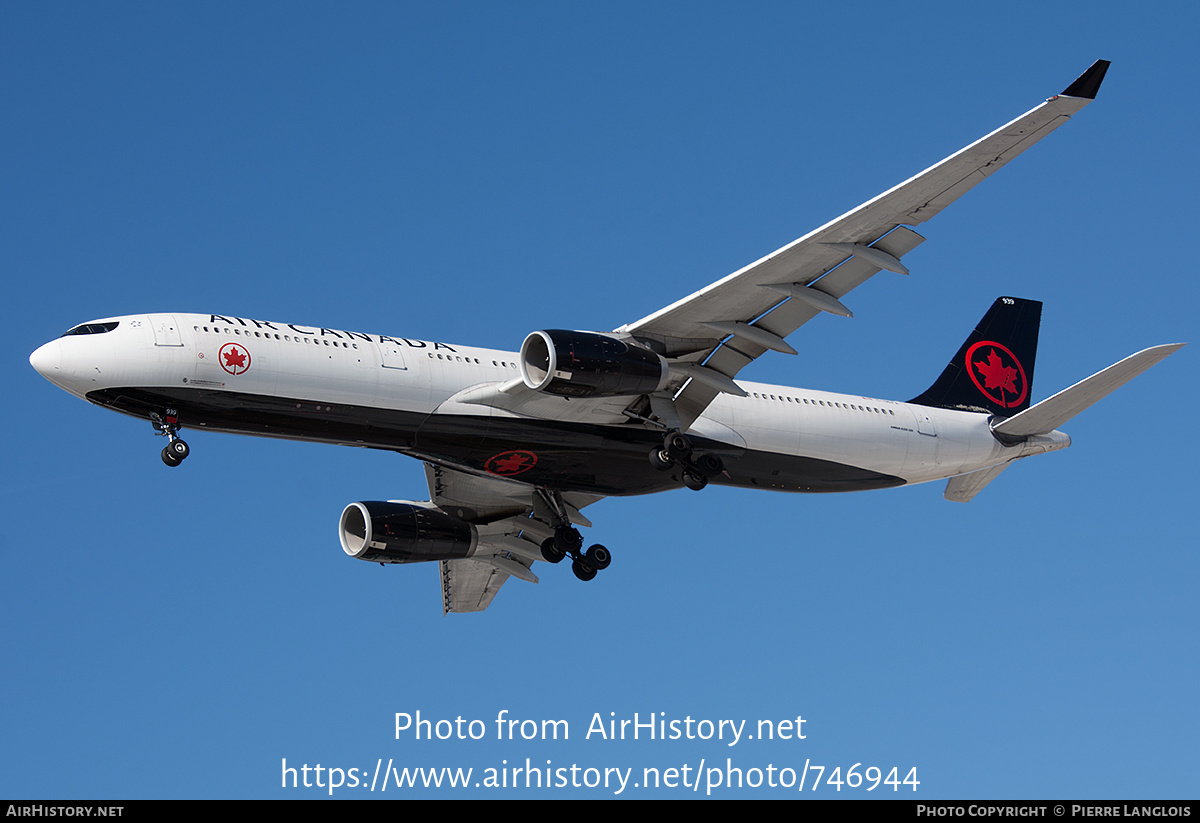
(517, 444)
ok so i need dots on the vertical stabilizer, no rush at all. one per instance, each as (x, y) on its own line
(993, 370)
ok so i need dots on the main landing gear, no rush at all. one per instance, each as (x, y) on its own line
(568, 541)
(677, 448)
(167, 425)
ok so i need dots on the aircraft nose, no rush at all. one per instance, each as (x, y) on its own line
(47, 360)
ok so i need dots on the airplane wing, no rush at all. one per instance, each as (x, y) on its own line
(511, 528)
(711, 335)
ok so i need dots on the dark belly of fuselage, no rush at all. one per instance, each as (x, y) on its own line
(607, 460)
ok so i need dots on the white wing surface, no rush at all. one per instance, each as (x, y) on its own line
(712, 334)
(510, 527)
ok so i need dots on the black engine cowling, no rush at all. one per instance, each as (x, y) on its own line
(585, 364)
(397, 532)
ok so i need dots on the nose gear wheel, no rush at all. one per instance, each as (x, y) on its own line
(167, 425)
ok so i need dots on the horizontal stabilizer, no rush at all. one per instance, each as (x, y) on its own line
(962, 488)
(1052, 412)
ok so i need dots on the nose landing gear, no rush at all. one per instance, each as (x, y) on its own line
(167, 425)
(174, 452)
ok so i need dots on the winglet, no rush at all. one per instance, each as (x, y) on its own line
(1089, 82)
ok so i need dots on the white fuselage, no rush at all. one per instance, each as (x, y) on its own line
(268, 371)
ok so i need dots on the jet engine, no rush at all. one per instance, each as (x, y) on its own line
(586, 364)
(404, 532)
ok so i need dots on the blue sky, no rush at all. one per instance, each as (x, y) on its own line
(470, 172)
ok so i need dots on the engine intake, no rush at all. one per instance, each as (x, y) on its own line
(586, 364)
(401, 532)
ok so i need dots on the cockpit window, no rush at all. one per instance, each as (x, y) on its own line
(92, 328)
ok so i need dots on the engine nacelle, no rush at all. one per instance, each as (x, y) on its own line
(585, 364)
(403, 532)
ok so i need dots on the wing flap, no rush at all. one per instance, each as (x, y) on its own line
(469, 585)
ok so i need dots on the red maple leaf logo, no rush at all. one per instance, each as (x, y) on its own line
(997, 375)
(233, 359)
(509, 463)
(1003, 378)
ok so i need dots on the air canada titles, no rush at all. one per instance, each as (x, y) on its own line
(263, 325)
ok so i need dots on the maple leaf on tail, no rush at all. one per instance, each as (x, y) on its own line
(995, 374)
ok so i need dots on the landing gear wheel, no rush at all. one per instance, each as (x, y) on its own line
(582, 570)
(550, 552)
(660, 460)
(598, 557)
(710, 465)
(568, 539)
(677, 446)
(693, 480)
(167, 425)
